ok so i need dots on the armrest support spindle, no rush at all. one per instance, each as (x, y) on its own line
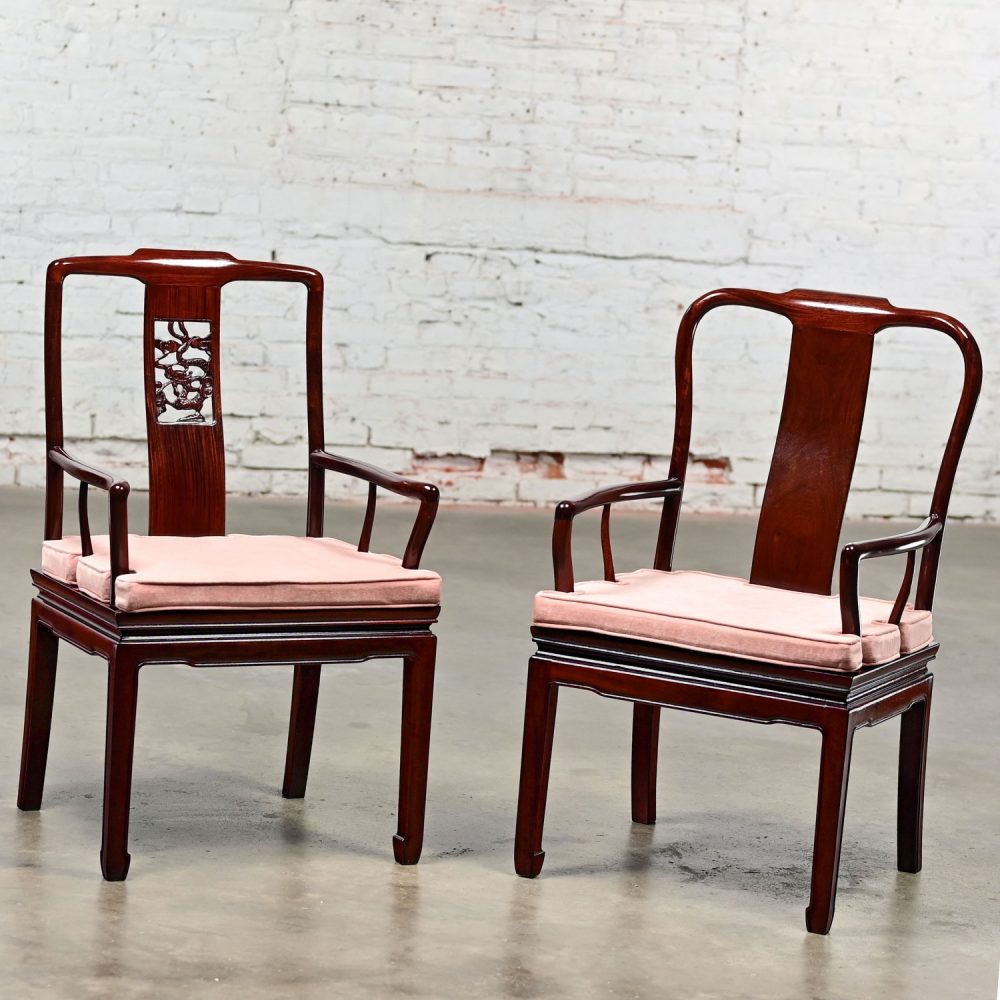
(562, 531)
(118, 491)
(609, 562)
(426, 494)
(907, 543)
(364, 543)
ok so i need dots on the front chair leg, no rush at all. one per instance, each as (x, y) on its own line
(305, 694)
(645, 741)
(835, 763)
(536, 757)
(123, 691)
(42, 654)
(418, 696)
(914, 724)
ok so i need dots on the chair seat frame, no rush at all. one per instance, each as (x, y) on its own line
(307, 638)
(796, 549)
(653, 676)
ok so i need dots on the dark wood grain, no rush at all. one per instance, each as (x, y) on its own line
(42, 656)
(796, 549)
(301, 725)
(738, 689)
(566, 510)
(187, 461)
(831, 804)
(905, 543)
(914, 726)
(813, 462)
(426, 494)
(415, 737)
(536, 757)
(184, 420)
(821, 322)
(645, 744)
(123, 695)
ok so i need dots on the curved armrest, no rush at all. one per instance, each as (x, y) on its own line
(907, 542)
(118, 491)
(78, 470)
(426, 494)
(562, 532)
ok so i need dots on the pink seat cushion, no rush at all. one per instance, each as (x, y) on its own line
(60, 555)
(244, 571)
(724, 614)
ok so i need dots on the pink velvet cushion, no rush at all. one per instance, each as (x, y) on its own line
(724, 614)
(60, 555)
(247, 571)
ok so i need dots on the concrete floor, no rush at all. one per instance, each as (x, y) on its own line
(235, 892)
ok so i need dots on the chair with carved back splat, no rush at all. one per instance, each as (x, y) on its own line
(187, 592)
(776, 648)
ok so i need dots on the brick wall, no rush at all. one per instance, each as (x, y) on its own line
(512, 203)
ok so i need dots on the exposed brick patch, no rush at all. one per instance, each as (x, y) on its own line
(547, 465)
(710, 468)
(447, 465)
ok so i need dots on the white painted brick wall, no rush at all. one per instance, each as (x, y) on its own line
(512, 203)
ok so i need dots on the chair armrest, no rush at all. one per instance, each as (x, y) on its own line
(426, 494)
(906, 543)
(78, 470)
(373, 474)
(566, 510)
(118, 491)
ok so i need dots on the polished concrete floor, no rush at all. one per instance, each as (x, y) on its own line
(235, 892)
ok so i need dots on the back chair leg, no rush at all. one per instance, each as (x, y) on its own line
(645, 742)
(536, 757)
(42, 655)
(418, 697)
(302, 723)
(123, 691)
(914, 725)
(835, 763)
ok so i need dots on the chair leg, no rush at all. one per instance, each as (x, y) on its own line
(834, 768)
(418, 697)
(914, 724)
(123, 691)
(536, 756)
(645, 741)
(305, 693)
(43, 652)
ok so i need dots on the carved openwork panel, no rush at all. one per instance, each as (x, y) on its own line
(182, 361)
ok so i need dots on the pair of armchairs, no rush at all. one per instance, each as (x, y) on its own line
(774, 648)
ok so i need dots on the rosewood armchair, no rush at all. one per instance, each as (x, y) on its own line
(189, 593)
(776, 647)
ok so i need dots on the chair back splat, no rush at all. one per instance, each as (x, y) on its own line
(819, 431)
(183, 394)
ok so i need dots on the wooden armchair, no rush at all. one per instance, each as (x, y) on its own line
(189, 593)
(776, 648)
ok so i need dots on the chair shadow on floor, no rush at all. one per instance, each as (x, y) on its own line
(218, 812)
(735, 850)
